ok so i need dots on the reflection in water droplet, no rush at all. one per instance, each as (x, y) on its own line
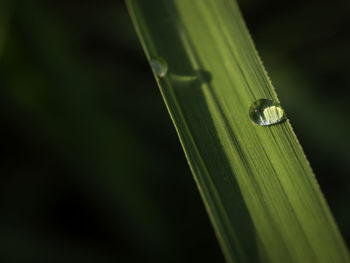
(266, 112)
(159, 66)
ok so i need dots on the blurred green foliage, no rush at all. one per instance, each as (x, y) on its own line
(92, 169)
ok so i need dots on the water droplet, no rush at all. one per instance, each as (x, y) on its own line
(266, 112)
(159, 66)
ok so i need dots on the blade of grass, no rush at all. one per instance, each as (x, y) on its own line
(256, 183)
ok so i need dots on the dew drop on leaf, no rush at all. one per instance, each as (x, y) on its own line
(266, 112)
(159, 66)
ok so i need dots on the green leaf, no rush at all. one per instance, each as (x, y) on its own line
(257, 186)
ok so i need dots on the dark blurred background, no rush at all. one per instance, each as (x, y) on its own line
(92, 170)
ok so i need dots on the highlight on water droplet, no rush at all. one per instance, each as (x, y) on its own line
(266, 112)
(159, 66)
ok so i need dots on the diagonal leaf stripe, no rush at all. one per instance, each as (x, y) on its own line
(256, 183)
